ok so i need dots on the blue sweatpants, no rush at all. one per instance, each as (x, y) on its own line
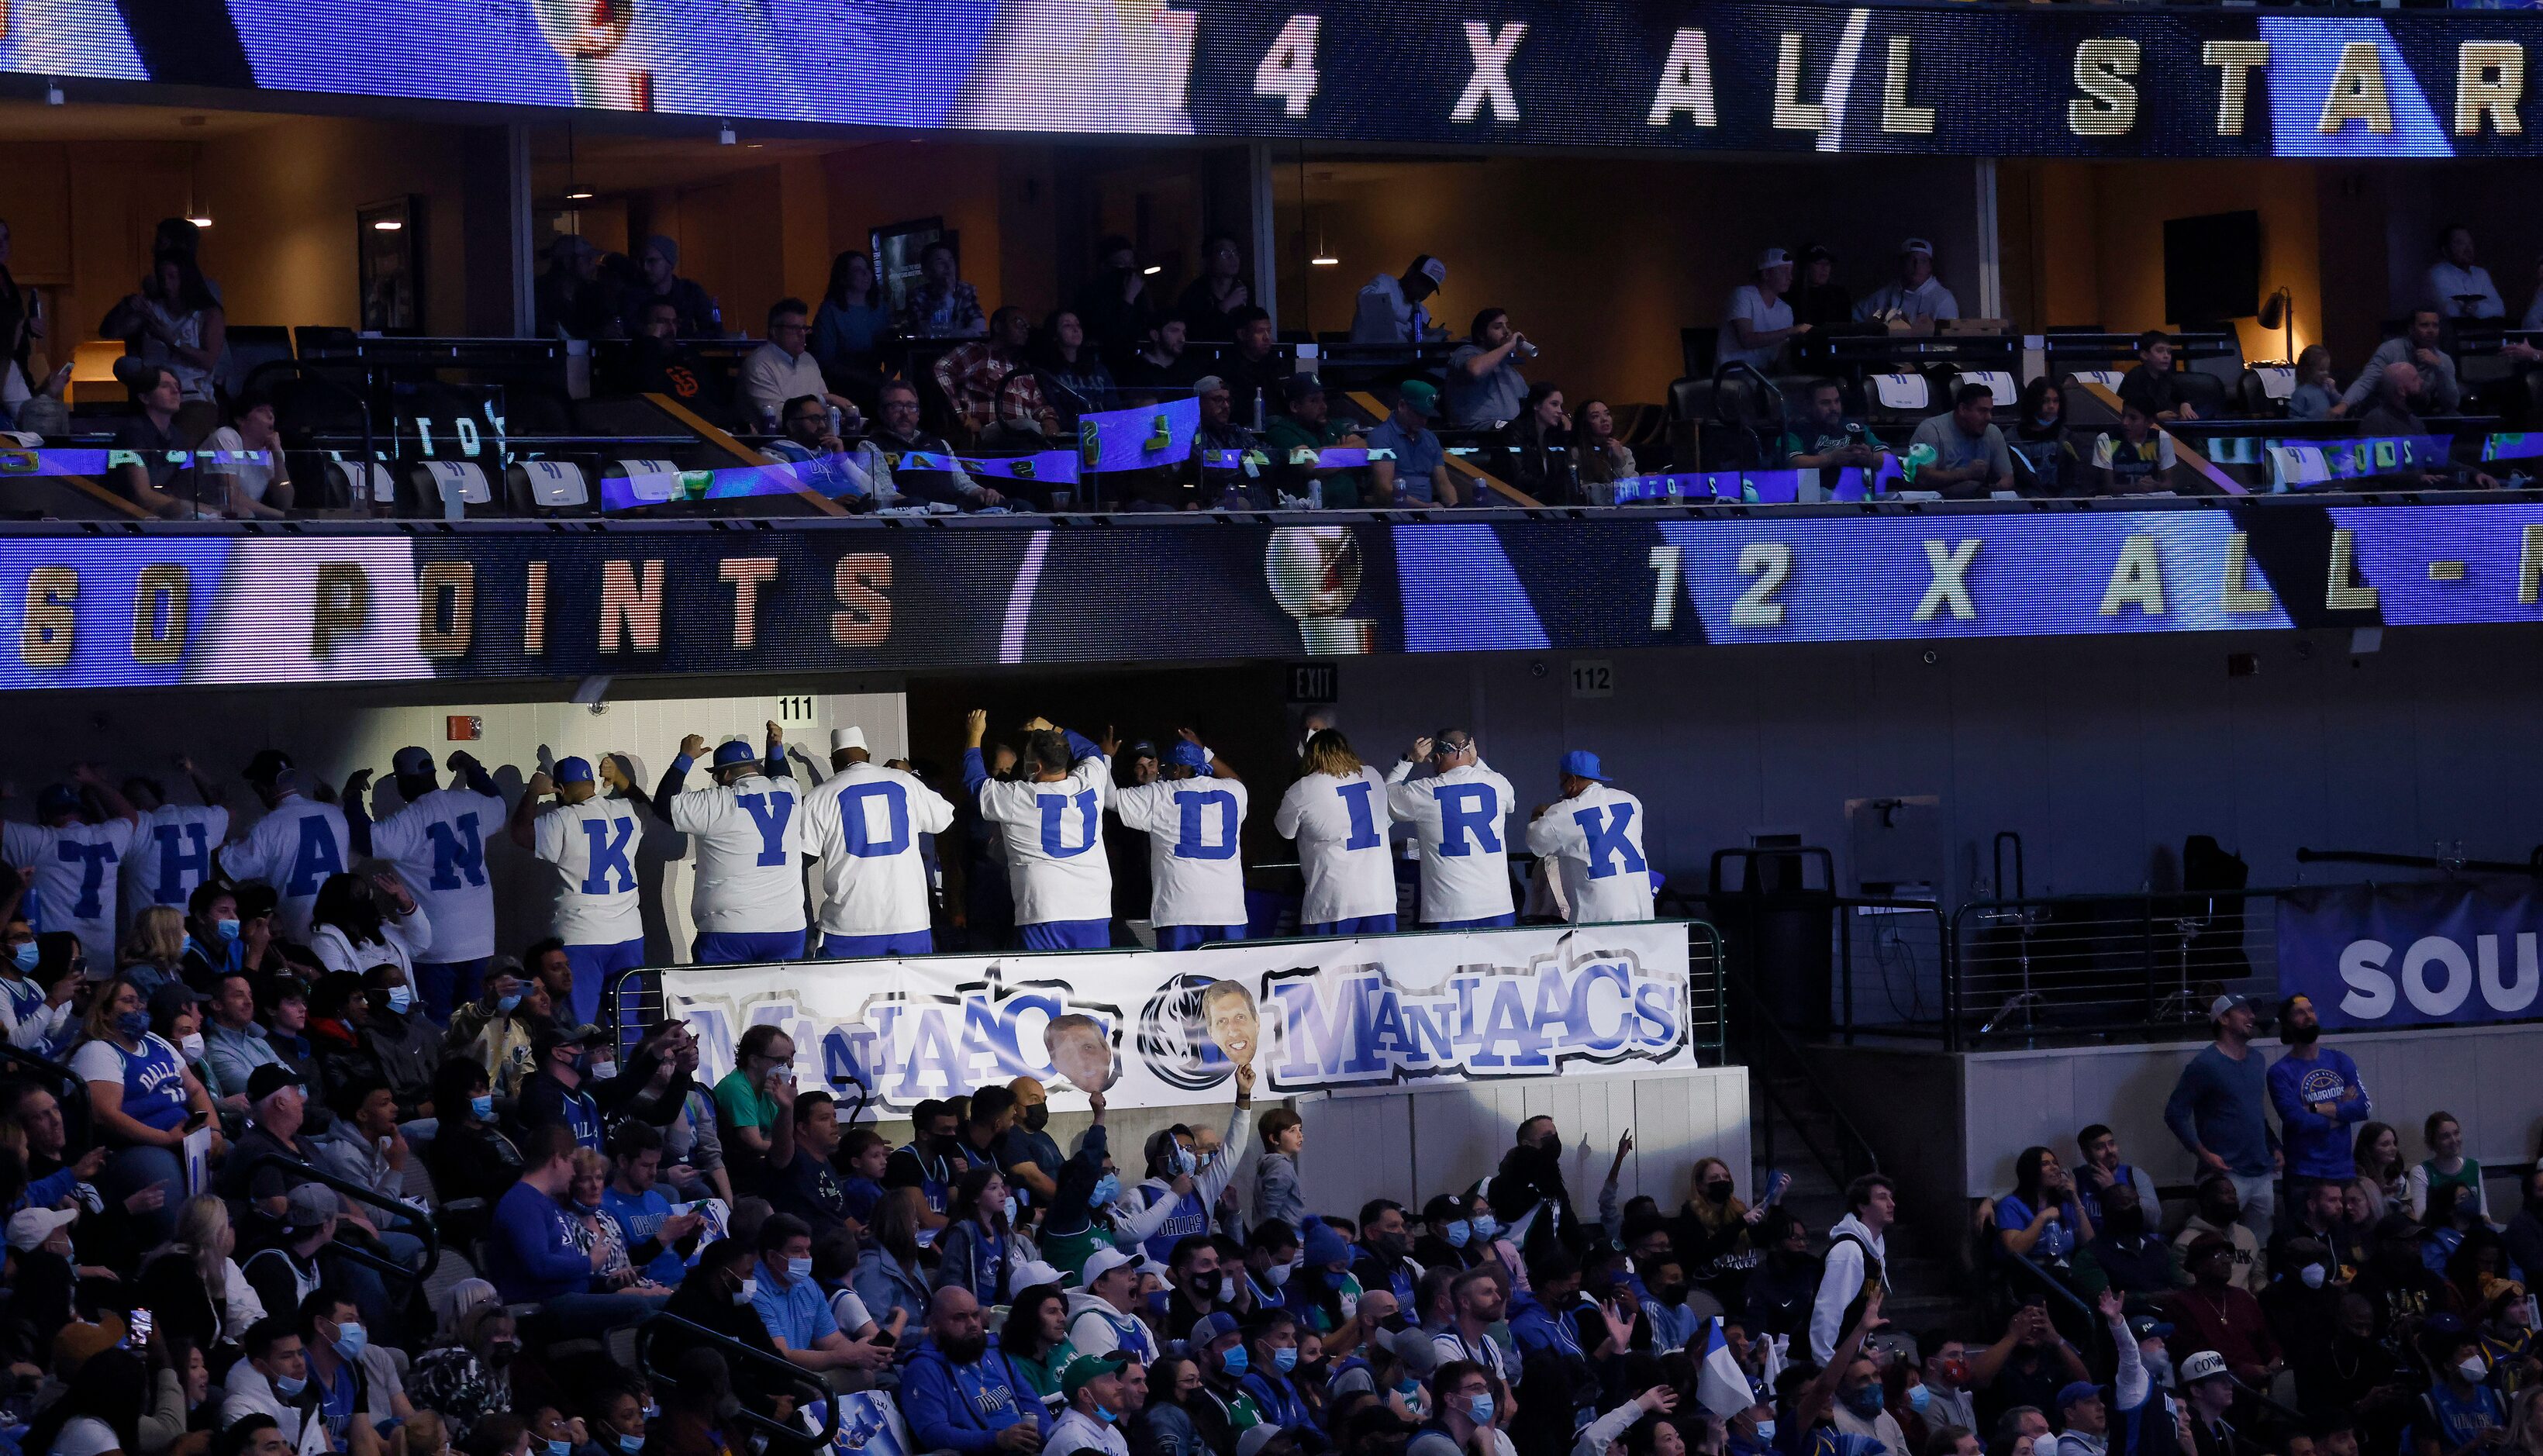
(1066, 934)
(446, 984)
(1357, 925)
(594, 967)
(741, 947)
(1185, 937)
(1502, 921)
(861, 946)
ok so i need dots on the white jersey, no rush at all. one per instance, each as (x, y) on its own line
(593, 845)
(171, 855)
(749, 880)
(1339, 825)
(1193, 861)
(293, 848)
(1456, 818)
(1054, 835)
(864, 821)
(78, 869)
(1596, 841)
(438, 845)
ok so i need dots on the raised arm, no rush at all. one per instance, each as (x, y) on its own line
(117, 806)
(773, 762)
(676, 775)
(356, 801)
(975, 768)
(204, 788)
(523, 824)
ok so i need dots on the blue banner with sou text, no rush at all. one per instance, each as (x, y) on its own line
(2382, 956)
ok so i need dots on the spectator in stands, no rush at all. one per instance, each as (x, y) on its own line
(1210, 303)
(1073, 377)
(533, 1255)
(656, 361)
(1541, 446)
(1307, 424)
(1858, 1259)
(20, 327)
(939, 480)
(2318, 1094)
(1598, 457)
(795, 1309)
(1113, 305)
(2218, 1110)
(1918, 297)
(1416, 471)
(2525, 1232)
(1759, 318)
(2462, 1411)
(2154, 386)
(2315, 392)
(1969, 456)
(247, 459)
(2041, 1220)
(784, 368)
(1486, 390)
(142, 1097)
(1229, 456)
(979, 1243)
(1390, 309)
(851, 324)
(1255, 367)
(2214, 1314)
(2139, 460)
(2446, 1165)
(2397, 392)
(154, 435)
(1158, 365)
(821, 457)
(1817, 298)
(1162, 1425)
(2315, 1219)
(694, 314)
(572, 300)
(495, 1031)
(2428, 384)
(2456, 286)
(941, 305)
(988, 385)
(1824, 437)
(954, 1397)
(2219, 1212)
(176, 319)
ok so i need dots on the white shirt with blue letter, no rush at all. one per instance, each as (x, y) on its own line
(171, 855)
(1193, 860)
(1340, 824)
(1054, 835)
(1595, 840)
(78, 871)
(293, 848)
(1456, 819)
(750, 881)
(593, 845)
(438, 845)
(864, 821)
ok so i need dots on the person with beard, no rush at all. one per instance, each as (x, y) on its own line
(2316, 1220)
(2216, 1314)
(1475, 1304)
(1448, 1238)
(954, 1397)
(2318, 1095)
(1386, 1252)
(1026, 1152)
(1197, 1282)
(1776, 1298)
(1528, 1195)
(1712, 1233)
(2398, 1283)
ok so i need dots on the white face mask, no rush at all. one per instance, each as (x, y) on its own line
(2312, 1277)
(192, 1044)
(2474, 1370)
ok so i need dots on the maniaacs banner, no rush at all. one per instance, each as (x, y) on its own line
(1156, 1029)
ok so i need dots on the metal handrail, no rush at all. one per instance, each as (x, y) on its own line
(2533, 866)
(1788, 1053)
(2145, 912)
(347, 1188)
(785, 1371)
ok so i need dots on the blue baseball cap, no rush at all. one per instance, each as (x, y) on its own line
(1211, 1327)
(574, 771)
(2078, 1390)
(58, 799)
(735, 750)
(1581, 763)
(413, 762)
(1187, 755)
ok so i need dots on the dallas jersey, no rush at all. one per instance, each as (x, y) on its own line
(1456, 818)
(293, 848)
(1339, 825)
(1054, 835)
(593, 847)
(171, 855)
(1595, 840)
(78, 871)
(750, 881)
(438, 845)
(1192, 863)
(864, 821)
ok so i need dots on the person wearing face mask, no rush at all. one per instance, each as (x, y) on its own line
(471, 1379)
(2462, 1411)
(1947, 1382)
(176, 1017)
(274, 1382)
(469, 1157)
(141, 1098)
(796, 1310)
(558, 1093)
(1271, 1360)
(1093, 1387)
(35, 1013)
(403, 1049)
(555, 1433)
(1220, 1408)
(1198, 1281)
(1271, 1256)
(2302, 1303)
(928, 1162)
(355, 1379)
(1026, 1152)
(1173, 1202)
(980, 1244)
(1714, 1233)
(1861, 1409)
(495, 1030)
(618, 1423)
(1462, 1394)
(1447, 1239)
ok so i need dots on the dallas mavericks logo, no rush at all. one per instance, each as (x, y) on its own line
(1173, 1036)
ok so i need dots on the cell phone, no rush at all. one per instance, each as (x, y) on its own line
(141, 1323)
(195, 1122)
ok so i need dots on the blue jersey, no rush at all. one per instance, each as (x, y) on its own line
(153, 1078)
(640, 1216)
(1190, 1216)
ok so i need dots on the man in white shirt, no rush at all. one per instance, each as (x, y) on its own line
(2456, 286)
(1760, 317)
(1338, 813)
(784, 368)
(438, 842)
(1390, 308)
(77, 864)
(1091, 1387)
(1198, 879)
(1593, 835)
(172, 852)
(748, 904)
(864, 821)
(591, 841)
(1918, 296)
(1456, 815)
(1050, 820)
(294, 848)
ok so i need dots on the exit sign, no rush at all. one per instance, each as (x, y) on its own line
(1314, 682)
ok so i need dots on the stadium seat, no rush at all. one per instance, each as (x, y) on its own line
(93, 380)
(2205, 393)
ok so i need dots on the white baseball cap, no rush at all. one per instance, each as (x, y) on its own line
(2206, 1364)
(29, 1228)
(1100, 1263)
(847, 737)
(1773, 258)
(1034, 1272)
(1436, 270)
(1916, 245)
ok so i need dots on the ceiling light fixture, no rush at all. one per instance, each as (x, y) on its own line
(387, 225)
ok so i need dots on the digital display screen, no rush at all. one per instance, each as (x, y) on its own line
(1946, 79)
(520, 600)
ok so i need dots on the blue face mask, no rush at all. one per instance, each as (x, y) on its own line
(1185, 1163)
(25, 956)
(1766, 1432)
(1457, 1233)
(1106, 1189)
(799, 1268)
(1486, 1227)
(630, 1444)
(483, 1108)
(1284, 1360)
(1479, 1409)
(227, 930)
(1103, 1417)
(349, 1340)
(559, 1448)
(1234, 1361)
(288, 1388)
(134, 1024)
(506, 1003)
(1918, 1398)
(400, 998)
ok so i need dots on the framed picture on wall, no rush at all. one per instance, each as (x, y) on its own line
(897, 247)
(386, 243)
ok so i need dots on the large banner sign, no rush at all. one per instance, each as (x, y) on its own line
(1160, 1028)
(2414, 954)
(519, 600)
(1951, 79)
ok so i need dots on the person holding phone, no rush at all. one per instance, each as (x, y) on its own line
(143, 1101)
